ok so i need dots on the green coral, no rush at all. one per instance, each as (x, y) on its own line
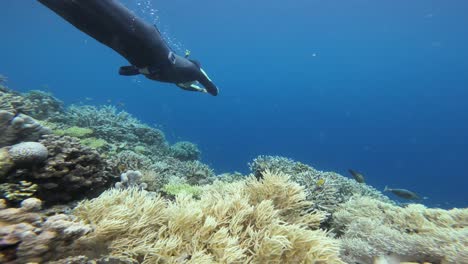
(140, 149)
(95, 143)
(74, 131)
(179, 188)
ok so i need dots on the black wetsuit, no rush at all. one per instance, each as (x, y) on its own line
(112, 24)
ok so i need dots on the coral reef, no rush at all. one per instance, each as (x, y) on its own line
(15, 128)
(190, 172)
(114, 127)
(17, 192)
(37, 104)
(131, 179)
(370, 228)
(45, 105)
(27, 236)
(70, 172)
(326, 190)
(185, 151)
(129, 160)
(6, 163)
(249, 221)
(95, 143)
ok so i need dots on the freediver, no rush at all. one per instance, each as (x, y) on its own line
(112, 24)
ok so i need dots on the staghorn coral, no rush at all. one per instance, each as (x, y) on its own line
(115, 127)
(326, 190)
(27, 236)
(129, 160)
(45, 105)
(185, 151)
(171, 171)
(370, 228)
(276, 163)
(230, 223)
(71, 171)
(15, 128)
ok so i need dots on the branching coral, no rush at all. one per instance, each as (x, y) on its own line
(185, 151)
(242, 222)
(369, 228)
(326, 190)
(115, 127)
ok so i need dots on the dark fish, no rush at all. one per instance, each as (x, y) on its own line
(403, 193)
(357, 176)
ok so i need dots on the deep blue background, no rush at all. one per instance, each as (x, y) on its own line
(386, 92)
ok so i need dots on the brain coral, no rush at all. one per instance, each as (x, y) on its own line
(28, 153)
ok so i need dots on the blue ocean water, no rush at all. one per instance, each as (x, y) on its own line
(377, 86)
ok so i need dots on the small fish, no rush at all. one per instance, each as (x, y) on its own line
(403, 193)
(357, 176)
(320, 182)
(88, 99)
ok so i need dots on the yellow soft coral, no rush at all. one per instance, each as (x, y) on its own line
(230, 223)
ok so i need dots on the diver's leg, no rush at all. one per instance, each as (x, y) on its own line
(112, 24)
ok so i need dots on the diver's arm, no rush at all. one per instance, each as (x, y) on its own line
(112, 24)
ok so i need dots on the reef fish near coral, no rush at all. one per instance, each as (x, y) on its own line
(403, 193)
(357, 176)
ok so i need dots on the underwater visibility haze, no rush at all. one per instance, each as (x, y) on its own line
(375, 91)
(378, 86)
